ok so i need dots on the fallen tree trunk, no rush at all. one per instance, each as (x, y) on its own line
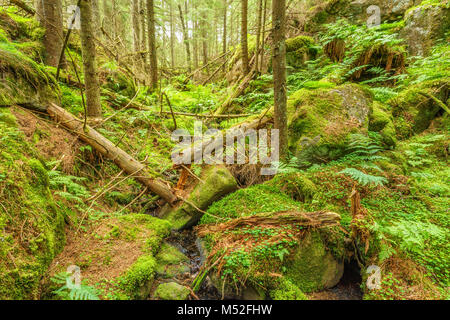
(22, 5)
(236, 93)
(239, 131)
(114, 153)
(318, 219)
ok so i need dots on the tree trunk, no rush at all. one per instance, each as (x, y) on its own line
(279, 72)
(144, 42)
(96, 18)
(263, 42)
(152, 45)
(49, 14)
(224, 36)
(172, 36)
(136, 26)
(185, 39)
(205, 37)
(244, 42)
(110, 150)
(258, 35)
(94, 108)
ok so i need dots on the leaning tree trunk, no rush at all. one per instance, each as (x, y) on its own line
(279, 72)
(93, 104)
(244, 41)
(49, 14)
(152, 45)
(123, 160)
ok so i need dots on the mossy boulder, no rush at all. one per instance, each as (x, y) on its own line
(171, 291)
(171, 262)
(22, 80)
(31, 225)
(299, 50)
(413, 112)
(381, 121)
(320, 121)
(216, 182)
(313, 267)
(424, 24)
(138, 280)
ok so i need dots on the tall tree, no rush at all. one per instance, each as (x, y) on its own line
(224, 36)
(93, 104)
(49, 14)
(244, 42)
(136, 22)
(144, 40)
(205, 36)
(279, 72)
(172, 36)
(258, 34)
(152, 45)
(185, 39)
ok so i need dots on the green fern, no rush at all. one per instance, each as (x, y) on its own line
(81, 292)
(363, 178)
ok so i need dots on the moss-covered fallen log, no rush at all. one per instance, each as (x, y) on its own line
(111, 151)
(318, 219)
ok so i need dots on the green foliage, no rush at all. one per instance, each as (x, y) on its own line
(75, 292)
(70, 184)
(363, 178)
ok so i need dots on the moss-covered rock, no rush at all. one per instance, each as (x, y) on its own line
(171, 262)
(171, 291)
(299, 50)
(22, 80)
(424, 24)
(31, 225)
(380, 120)
(217, 182)
(413, 112)
(320, 121)
(138, 280)
(312, 267)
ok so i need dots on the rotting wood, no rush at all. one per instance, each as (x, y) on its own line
(114, 153)
(318, 219)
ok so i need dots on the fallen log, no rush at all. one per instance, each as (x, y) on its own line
(236, 93)
(22, 5)
(318, 219)
(114, 153)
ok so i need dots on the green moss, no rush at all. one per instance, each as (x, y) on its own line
(171, 262)
(381, 121)
(252, 200)
(412, 111)
(171, 291)
(216, 182)
(26, 198)
(296, 185)
(137, 281)
(312, 268)
(320, 121)
(286, 290)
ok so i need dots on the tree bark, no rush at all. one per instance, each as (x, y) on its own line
(224, 36)
(49, 14)
(185, 39)
(279, 72)
(258, 35)
(172, 36)
(135, 18)
(205, 37)
(152, 45)
(123, 160)
(244, 41)
(94, 108)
